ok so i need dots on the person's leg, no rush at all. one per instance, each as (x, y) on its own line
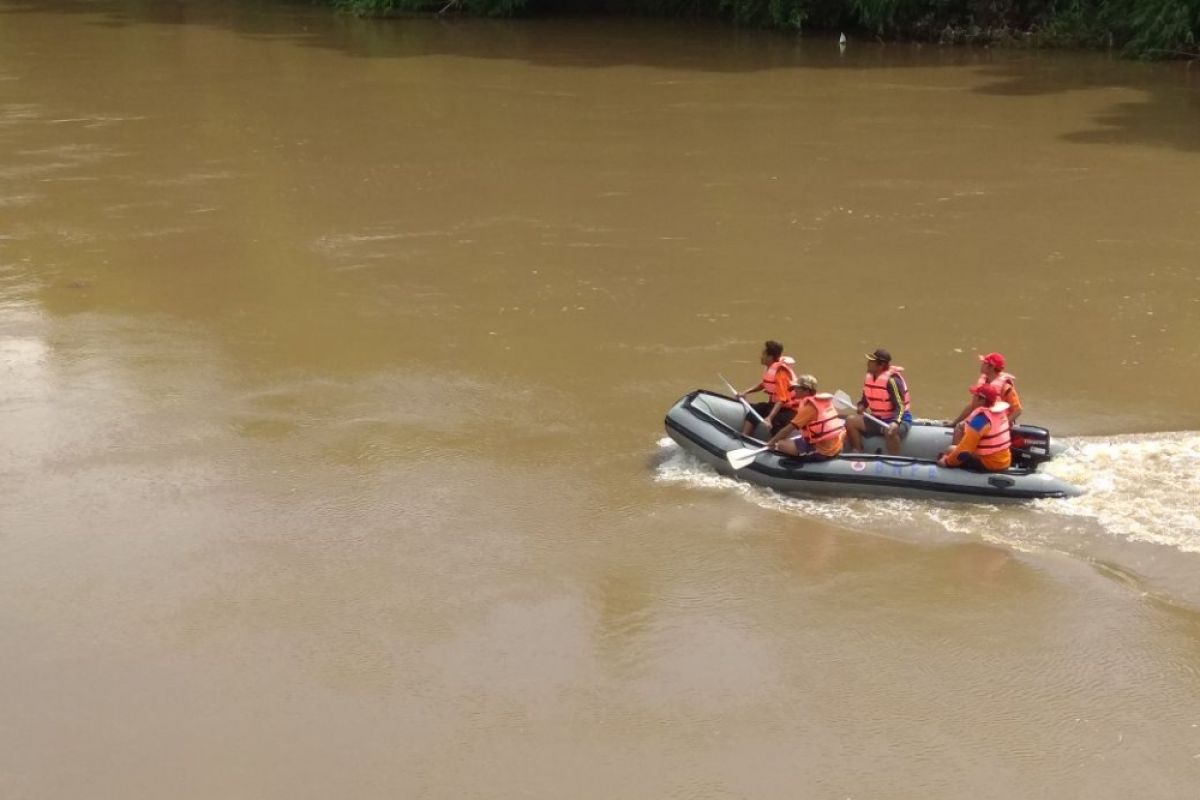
(752, 421)
(961, 425)
(791, 447)
(784, 417)
(892, 438)
(870, 428)
(970, 462)
(856, 424)
(798, 448)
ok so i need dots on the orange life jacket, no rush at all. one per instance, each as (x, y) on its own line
(1003, 382)
(768, 379)
(998, 437)
(876, 391)
(827, 424)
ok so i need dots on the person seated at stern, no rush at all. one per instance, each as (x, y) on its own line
(777, 380)
(991, 370)
(986, 443)
(885, 396)
(816, 433)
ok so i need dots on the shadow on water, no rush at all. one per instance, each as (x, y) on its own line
(1167, 116)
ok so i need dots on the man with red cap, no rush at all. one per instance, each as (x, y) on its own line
(986, 442)
(991, 370)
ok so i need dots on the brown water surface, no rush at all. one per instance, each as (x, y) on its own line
(335, 354)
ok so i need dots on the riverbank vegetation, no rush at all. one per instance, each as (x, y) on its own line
(1138, 28)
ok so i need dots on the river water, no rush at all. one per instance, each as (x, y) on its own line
(335, 354)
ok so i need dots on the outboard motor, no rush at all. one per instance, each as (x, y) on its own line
(1030, 446)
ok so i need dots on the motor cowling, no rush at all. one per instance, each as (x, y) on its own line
(1030, 446)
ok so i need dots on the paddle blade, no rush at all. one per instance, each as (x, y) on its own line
(743, 457)
(843, 403)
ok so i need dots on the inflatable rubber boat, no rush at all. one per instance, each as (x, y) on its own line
(708, 425)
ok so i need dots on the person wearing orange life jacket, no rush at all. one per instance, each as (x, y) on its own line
(987, 440)
(885, 397)
(816, 433)
(776, 381)
(991, 370)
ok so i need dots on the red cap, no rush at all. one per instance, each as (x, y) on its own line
(994, 360)
(986, 391)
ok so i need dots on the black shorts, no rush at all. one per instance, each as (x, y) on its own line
(875, 429)
(784, 416)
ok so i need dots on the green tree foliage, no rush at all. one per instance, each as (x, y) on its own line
(1159, 27)
(1141, 28)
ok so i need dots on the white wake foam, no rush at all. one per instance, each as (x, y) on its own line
(889, 516)
(1141, 487)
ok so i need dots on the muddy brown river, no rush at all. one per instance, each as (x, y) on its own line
(333, 361)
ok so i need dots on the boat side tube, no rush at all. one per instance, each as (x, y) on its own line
(708, 425)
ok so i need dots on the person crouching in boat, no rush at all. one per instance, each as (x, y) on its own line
(816, 433)
(991, 370)
(986, 443)
(777, 380)
(885, 396)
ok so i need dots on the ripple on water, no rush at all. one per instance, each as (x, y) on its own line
(18, 200)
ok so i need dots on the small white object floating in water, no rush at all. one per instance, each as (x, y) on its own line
(842, 40)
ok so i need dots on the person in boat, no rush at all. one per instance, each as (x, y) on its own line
(777, 380)
(987, 442)
(816, 432)
(885, 397)
(991, 370)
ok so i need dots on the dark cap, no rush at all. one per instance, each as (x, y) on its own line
(880, 355)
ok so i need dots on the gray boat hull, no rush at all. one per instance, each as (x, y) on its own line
(708, 425)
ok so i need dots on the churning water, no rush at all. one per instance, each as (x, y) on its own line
(1141, 489)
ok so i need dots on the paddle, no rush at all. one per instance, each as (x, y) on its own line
(745, 402)
(744, 456)
(843, 403)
